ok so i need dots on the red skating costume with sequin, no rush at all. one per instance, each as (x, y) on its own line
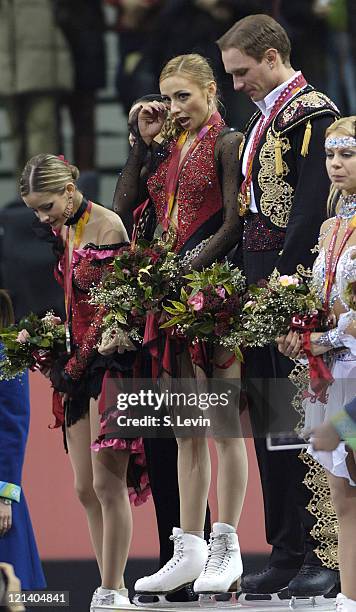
(81, 374)
(207, 224)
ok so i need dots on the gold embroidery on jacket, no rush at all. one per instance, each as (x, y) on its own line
(277, 195)
(310, 100)
(325, 530)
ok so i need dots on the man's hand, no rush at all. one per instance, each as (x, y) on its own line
(5, 518)
(325, 438)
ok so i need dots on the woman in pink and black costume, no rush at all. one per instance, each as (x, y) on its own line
(87, 238)
(194, 189)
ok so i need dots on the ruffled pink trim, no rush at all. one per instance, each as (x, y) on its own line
(95, 253)
(137, 498)
(135, 446)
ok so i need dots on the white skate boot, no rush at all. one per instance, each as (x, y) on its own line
(224, 564)
(343, 604)
(110, 599)
(190, 555)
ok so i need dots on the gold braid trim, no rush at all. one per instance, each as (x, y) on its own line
(276, 193)
(320, 506)
(325, 530)
(300, 379)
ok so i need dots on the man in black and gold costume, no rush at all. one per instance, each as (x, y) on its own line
(283, 193)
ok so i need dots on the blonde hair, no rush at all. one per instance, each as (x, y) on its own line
(6, 310)
(346, 126)
(192, 66)
(46, 172)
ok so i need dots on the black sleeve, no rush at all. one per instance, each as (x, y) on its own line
(309, 202)
(227, 155)
(130, 190)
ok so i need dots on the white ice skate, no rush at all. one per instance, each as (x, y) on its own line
(190, 555)
(223, 568)
(343, 604)
(110, 599)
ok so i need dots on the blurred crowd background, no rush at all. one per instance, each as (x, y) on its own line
(69, 72)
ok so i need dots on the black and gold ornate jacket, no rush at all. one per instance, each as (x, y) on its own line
(289, 179)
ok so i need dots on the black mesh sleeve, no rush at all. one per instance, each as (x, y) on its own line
(130, 190)
(229, 234)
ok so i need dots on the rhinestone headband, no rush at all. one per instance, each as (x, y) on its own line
(340, 142)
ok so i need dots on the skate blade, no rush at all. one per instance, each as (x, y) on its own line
(123, 608)
(159, 601)
(219, 600)
(319, 601)
(267, 600)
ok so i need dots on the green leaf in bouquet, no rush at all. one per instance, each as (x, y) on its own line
(34, 340)
(228, 288)
(44, 343)
(172, 311)
(206, 328)
(183, 295)
(120, 318)
(148, 292)
(171, 322)
(238, 354)
(178, 306)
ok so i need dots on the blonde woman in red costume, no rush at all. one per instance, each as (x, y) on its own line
(86, 238)
(192, 182)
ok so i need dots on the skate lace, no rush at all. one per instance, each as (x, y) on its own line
(219, 553)
(177, 554)
(105, 600)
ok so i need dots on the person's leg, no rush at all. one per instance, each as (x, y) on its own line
(78, 441)
(162, 456)
(224, 566)
(344, 499)
(231, 452)
(110, 485)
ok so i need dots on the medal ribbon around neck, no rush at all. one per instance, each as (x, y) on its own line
(331, 262)
(296, 85)
(175, 167)
(68, 267)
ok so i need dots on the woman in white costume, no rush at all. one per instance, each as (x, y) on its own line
(333, 269)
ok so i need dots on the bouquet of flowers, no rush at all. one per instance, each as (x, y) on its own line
(209, 306)
(141, 276)
(273, 306)
(32, 340)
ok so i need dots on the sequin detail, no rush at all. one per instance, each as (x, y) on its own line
(345, 273)
(258, 237)
(86, 319)
(199, 194)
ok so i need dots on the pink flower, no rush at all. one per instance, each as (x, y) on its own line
(221, 292)
(23, 336)
(197, 301)
(51, 319)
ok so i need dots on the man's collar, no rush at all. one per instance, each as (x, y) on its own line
(267, 103)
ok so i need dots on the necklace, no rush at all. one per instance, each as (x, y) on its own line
(347, 207)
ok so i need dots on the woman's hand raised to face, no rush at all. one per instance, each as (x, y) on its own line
(151, 118)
